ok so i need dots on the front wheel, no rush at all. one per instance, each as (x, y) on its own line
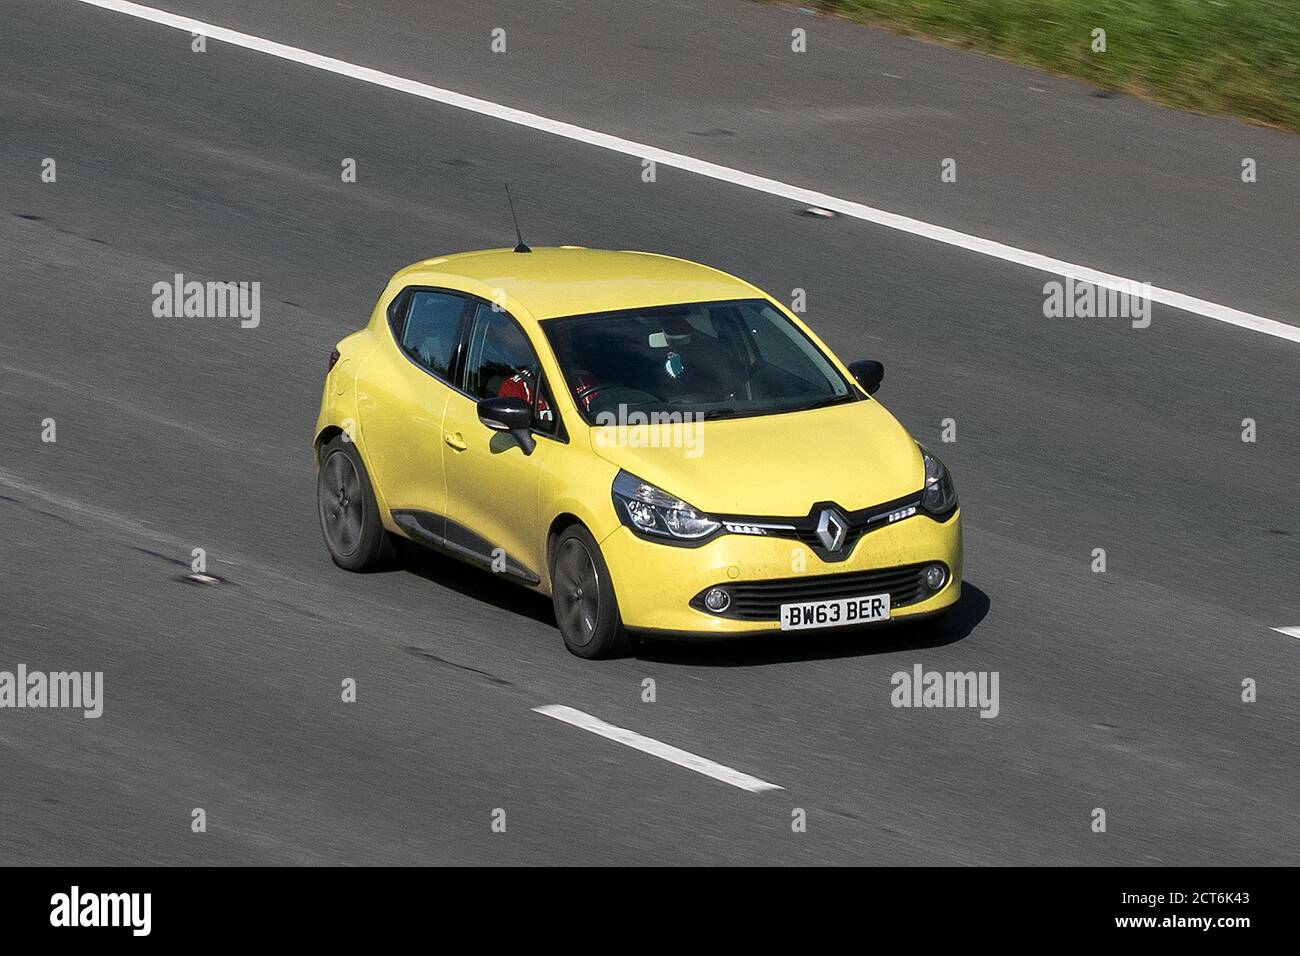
(583, 596)
(349, 515)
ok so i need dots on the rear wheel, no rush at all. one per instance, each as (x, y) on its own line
(583, 596)
(349, 515)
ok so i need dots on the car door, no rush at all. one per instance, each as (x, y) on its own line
(402, 393)
(492, 485)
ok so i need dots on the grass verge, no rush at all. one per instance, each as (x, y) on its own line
(1229, 57)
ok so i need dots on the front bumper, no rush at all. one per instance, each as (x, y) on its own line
(655, 583)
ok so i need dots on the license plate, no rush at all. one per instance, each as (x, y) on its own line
(845, 611)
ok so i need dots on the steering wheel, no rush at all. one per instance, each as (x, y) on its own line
(611, 395)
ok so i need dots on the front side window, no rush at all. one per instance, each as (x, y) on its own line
(501, 363)
(715, 359)
(428, 334)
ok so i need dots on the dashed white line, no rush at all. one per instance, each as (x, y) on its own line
(1289, 631)
(806, 197)
(630, 738)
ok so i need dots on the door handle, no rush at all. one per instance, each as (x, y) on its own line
(455, 441)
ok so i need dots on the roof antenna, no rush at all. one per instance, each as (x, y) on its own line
(518, 235)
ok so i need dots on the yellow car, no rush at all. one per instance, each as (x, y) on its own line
(659, 446)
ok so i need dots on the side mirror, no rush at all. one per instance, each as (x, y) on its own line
(868, 373)
(509, 415)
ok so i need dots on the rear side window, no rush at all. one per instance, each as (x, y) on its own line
(428, 334)
(397, 312)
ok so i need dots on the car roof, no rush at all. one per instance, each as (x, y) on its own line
(571, 280)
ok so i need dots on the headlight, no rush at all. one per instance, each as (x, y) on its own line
(939, 497)
(648, 510)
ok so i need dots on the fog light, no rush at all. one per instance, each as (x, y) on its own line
(935, 576)
(717, 600)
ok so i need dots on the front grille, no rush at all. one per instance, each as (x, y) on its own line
(762, 600)
(803, 528)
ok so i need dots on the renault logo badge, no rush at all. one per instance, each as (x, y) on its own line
(831, 529)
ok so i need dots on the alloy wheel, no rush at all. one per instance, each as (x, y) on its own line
(577, 590)
(341, 503)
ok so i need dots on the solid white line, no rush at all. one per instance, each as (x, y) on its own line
(656, 748)
(1289, 631)
(805, 197)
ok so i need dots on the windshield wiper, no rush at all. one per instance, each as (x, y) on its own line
(822, 403)
(718, 413)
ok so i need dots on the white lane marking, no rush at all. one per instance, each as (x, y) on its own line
(1289, 631)
(806, 197)
(656, 748)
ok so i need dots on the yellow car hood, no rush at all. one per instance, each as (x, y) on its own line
(855, 455)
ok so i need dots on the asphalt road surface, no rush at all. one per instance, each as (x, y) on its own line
(1119, 690)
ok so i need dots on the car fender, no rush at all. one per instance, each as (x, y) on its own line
(577, 485)
(339, 408)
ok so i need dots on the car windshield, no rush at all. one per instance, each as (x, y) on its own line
(714, 359)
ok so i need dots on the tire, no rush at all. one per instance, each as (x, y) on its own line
(349, 516)
(583, 597)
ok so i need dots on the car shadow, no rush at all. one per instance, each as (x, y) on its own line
(971, 608)
(479, 585)
(473, 583)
